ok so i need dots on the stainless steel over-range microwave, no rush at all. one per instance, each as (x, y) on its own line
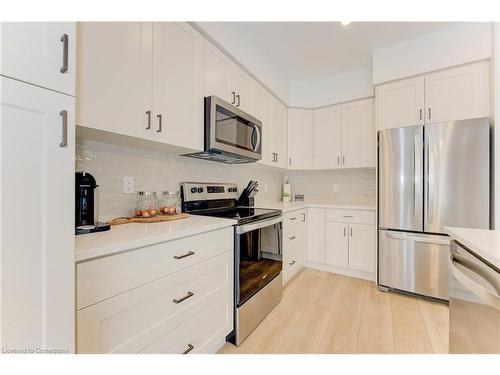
(231, 135)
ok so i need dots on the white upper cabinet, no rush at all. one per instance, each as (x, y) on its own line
(358, 134)
(37, 164)
(41, 53)
(327, 148)
(451, 94)
(242, 86)
(400, 103)
(218, 74)
(300, 138)
(178, 85)
(458, 93)
(279, 123)
(114, 81)
(130, 82)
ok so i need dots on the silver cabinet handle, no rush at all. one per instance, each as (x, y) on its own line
(64, 128)
(420, 114)
(343, 160)
(159, 124)
(148, 113)
(348, 216)
(179, 300)
(303, 217)
(188, 254)
(338, 160)
(190, 347)
(350, 231)
(64, 40)
(291, 238)
(429, 113)
(289, 160)
(291, 263)
(233, 94)
(293, 218)
(344, 231)
(238, 99)
(277, 157)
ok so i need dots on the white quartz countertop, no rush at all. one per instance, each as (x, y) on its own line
(293, 206)
(125, 237)
(484, 243)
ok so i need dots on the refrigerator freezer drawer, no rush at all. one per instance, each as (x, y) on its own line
(415, 263)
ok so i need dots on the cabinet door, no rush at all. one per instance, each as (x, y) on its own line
(400, 103)
(362, 247)
(315, 235)
(242, 83)
(178, 85)
(114, 81)
(42, 53)
(336, 244)
(327, 137)
(300, 138)
(358, 134)
(262, 111)
(218, 74)
(37, 217)
(458, 93)
(279, 121)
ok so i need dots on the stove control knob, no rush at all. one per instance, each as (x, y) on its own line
(200, 190)
(194, 190)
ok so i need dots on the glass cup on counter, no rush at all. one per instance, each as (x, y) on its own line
(146, 204)
(170, 203)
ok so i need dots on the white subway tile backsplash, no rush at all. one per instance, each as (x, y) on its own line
(159, 171)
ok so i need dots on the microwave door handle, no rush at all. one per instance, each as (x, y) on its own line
(475, 288)
(256, 131)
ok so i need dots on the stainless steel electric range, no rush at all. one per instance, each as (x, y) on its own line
(258, 250)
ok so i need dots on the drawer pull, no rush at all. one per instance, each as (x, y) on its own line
(291, 238)
(188, 254)
(190, 347)
(179, 300)
(348, 216)
(291, 263)
(293, 218)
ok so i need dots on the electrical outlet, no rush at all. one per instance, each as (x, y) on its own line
(335, 188)
(128, 185)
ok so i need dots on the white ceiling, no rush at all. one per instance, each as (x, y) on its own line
(307, 51)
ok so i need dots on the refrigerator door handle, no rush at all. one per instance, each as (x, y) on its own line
(430, 179)
(417, 188)
(406, 237)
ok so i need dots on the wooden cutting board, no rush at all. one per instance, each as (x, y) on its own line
(144, 220)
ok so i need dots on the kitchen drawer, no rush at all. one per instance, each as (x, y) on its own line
(106, 277)
(291, 263)
(133, 320)
(199, 333)
(351, 216)
(293, 218)
(294, 236)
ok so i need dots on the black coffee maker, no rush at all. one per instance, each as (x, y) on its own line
(85, 205)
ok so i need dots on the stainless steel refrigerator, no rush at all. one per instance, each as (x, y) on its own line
(429, 177)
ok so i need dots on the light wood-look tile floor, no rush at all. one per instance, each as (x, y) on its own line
(323, 312)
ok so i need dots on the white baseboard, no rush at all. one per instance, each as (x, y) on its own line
(370, 276)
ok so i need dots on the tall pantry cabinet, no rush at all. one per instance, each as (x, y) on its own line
(37, 151)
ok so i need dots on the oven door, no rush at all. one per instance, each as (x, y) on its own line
(231, 130)
(258, 257)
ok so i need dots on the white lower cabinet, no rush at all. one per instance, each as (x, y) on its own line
(294, 243)
(189, 309)
(342, 241)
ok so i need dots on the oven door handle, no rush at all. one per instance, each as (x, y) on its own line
(240, 229)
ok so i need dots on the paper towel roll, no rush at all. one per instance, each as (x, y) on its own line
(287, 192)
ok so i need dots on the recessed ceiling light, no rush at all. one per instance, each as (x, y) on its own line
(345, 23)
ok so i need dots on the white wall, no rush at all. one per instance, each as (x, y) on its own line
(437, 50)
(495, 100)
(336, 89)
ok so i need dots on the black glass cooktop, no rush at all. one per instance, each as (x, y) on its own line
(244, 215)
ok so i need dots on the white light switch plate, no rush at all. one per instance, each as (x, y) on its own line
(128, 185)
(335, 188)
